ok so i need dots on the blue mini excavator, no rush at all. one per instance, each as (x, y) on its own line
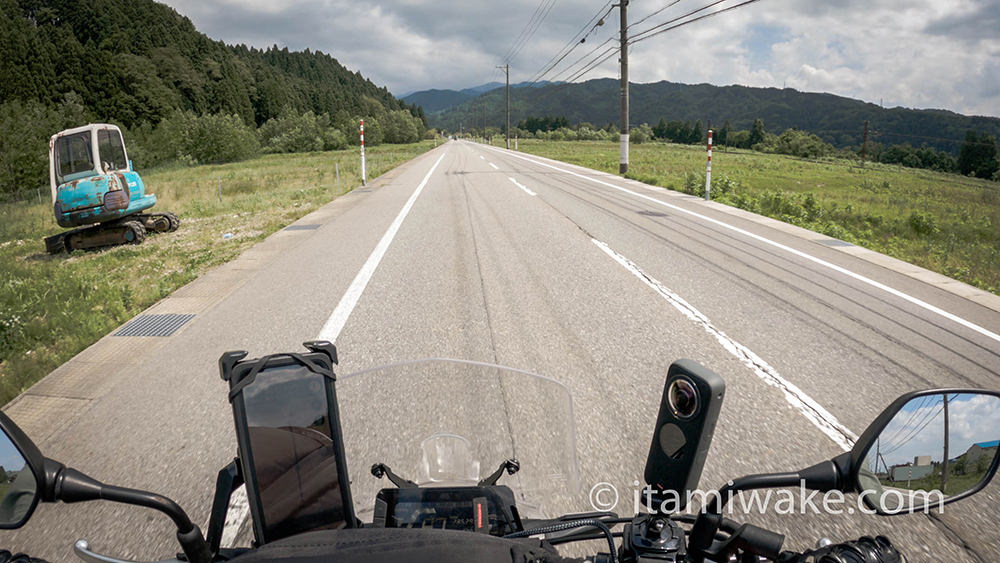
(96, 193)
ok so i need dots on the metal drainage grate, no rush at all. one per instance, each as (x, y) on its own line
(154, 325)
(835, 242)
(301, 227)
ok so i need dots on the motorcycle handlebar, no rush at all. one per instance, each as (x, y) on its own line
(865, 549)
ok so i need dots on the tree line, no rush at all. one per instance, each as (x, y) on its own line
(179, 95)
(977, 156)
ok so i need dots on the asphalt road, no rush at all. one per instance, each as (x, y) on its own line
(599, 283)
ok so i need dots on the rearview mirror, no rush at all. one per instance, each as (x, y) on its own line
(929, 448)
(20, 475)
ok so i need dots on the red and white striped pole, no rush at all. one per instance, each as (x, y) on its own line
(708, 171)
(362, 152)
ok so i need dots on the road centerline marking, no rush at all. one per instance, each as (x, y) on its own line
(878, 285)
(826, 422)
(331, 330)
(494, 166)
(522, 186)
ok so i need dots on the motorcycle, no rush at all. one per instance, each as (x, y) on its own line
(440, 420)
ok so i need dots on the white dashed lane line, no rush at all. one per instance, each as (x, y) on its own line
(522, 186)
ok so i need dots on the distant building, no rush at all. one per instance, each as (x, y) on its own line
(909, 472)
(922, 460)
(981, 449)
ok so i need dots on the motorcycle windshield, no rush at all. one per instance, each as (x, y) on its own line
(446, 422)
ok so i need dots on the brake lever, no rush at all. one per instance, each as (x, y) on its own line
(82, 549)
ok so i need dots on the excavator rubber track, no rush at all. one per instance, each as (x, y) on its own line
(128, 231)
(158, 222)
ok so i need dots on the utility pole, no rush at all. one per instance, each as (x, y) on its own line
(944, 462)
(506, 69)
(623, 149)
(864, 144)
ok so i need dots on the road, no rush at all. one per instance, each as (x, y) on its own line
(598, 282)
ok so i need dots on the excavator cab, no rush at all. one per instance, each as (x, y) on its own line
(92, 182)
(91, 179)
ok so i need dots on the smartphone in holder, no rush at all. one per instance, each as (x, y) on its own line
(689, 408)
(289, 440)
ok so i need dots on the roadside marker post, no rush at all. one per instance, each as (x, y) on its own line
(362, 152)
(708, 170)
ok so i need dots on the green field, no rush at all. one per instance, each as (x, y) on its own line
(943, 222)
(54, 306)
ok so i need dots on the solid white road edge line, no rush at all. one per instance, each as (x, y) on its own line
(820, 417)
(331, 330)
(923, 304)
(523, 187)
(239, 507)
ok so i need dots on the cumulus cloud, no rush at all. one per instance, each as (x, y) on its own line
(914, 53)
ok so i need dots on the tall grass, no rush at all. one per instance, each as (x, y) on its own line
(943, 222)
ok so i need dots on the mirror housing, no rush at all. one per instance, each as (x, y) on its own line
(34, 463)
(910, 417)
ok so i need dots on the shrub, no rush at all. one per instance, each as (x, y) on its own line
(220, 138)
(299, 133)
(640, 134)
(922, 223)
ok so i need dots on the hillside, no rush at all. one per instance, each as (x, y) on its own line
(836, 119)
(134, 61)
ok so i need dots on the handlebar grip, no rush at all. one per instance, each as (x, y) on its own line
(865, 549)
(8, 557)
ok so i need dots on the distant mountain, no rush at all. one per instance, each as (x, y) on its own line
(439, 100)
(482, 88)
(836, 119)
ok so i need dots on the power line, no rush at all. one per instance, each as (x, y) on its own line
(653, 14)
(576, 62)
(574, 42)
(527, 36)
(642, 36)
(913, 434)
(600, 59)
(678, 18)
(612, 51)
(527, 26)
(597, 61)
(924, 402)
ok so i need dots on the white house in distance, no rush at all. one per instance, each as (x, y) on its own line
(921, 467)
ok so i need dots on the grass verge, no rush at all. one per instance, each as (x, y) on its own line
(54, 306)
(946, 223)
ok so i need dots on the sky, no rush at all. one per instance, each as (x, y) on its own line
(913, 53)
(918, 429)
